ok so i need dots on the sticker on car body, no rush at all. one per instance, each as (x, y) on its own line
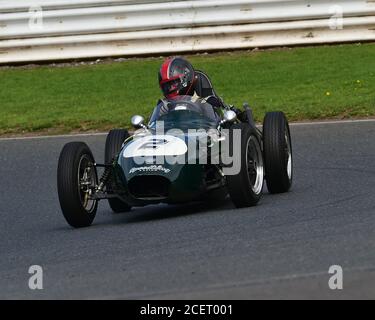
(156, 145)
(153, 168)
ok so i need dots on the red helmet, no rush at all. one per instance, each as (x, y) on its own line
(176, 77)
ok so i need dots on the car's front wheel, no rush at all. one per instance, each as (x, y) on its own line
(277, 152)
(245, 188)
(76, 180)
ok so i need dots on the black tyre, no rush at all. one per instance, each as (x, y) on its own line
(278, 157)
(113, 144)
(76, 175)
(245, 188)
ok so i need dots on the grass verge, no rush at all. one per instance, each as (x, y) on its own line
(306, 83)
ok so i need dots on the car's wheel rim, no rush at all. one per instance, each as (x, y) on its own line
(86, 182)
(288, 151)
(254, 162)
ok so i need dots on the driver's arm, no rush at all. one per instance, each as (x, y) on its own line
(163, 107)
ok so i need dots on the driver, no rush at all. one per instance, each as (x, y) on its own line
(177, 78)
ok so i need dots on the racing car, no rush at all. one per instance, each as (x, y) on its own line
(202, 154)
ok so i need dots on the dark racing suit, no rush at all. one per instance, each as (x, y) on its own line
(214, 101)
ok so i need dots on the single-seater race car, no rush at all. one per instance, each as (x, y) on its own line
(193, 151)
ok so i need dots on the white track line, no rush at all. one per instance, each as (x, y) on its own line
(330, 122)
(56, 136)
(312, 123)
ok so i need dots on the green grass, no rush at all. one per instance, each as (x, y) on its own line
(305, 83)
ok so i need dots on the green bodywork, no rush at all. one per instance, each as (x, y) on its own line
(186, 181)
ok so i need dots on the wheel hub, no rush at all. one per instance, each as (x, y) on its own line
(255, 165)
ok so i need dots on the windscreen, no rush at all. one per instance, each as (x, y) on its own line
(184, 103)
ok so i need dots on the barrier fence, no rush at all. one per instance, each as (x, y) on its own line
(67, 29)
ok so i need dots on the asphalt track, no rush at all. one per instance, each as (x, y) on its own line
(282, 248)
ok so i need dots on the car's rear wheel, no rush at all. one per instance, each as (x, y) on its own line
(113, 145)
(277, 152)
(76, 180)
(245, 188)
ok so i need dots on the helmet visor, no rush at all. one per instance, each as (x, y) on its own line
(171, 86)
